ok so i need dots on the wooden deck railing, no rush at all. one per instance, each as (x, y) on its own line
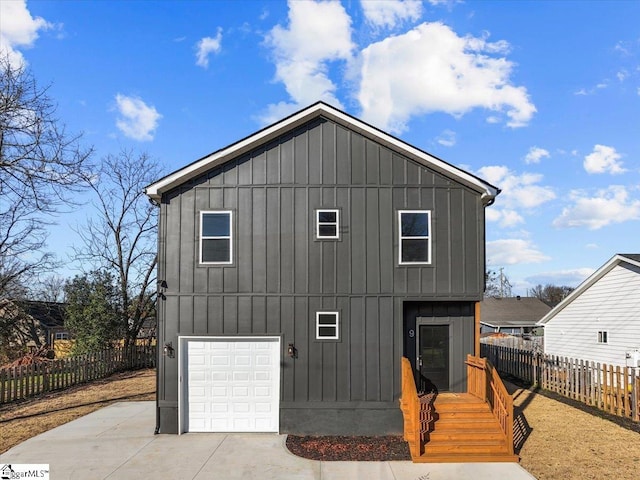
(484, 382)
(417, 411)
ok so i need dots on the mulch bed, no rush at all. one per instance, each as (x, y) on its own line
(347, 448)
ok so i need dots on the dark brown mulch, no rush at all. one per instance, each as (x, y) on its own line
(343, 448)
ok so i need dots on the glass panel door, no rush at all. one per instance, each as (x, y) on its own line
(433, 357)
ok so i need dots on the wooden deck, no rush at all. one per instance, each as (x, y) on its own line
(459, 427)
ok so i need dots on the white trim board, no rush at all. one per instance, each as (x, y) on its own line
(156, 189)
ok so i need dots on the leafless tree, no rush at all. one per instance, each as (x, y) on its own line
(49, 288)
(41, 167)
(551, 294)
(497, 284)
(121, 237)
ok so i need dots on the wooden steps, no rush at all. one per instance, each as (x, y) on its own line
(464, 430)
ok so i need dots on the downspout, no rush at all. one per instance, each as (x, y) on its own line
(156, 431)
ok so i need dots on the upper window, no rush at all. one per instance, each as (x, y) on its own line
(62, 336)
(328, 224)
(327, 326)
(602, 337)
(215, 237)
(415, 237)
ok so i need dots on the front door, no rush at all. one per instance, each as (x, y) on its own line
(433, 360)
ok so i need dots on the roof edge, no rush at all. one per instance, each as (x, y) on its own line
(617, 259)
(268, 133)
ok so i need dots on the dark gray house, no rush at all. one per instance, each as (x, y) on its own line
(299, 264)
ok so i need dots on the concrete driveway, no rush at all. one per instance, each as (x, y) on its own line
(117, 442)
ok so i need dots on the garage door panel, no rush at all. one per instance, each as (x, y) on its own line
(233, 385)
(241, 376)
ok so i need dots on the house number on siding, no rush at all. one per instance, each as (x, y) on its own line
(412, 333)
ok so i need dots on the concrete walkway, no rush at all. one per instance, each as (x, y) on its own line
(117, 442)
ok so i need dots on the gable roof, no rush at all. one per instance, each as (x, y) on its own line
(512, 311)
(618, 259)
(319, 109)
(49, 314)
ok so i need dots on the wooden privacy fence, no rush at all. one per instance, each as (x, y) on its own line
(24, 381)
(611, 388)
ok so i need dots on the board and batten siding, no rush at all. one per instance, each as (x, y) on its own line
(611, 304)
(274, 246)
(281, 275)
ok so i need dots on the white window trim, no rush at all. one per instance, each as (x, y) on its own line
(230, 237)
(61, 336)
(427, 237)
(337, 224)
(337, 326)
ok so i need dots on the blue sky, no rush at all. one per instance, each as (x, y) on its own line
(542, 99)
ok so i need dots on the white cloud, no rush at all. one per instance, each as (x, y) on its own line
(518, 191)
(318, 33)
(603, 159)
(536, 154)
(447, 138)
(207, 46)
(608, 206)
(389, 13)
(19, 29)
(432, 69)
(590, 91)
(513, 252)
(622, 75)
(137, 119)
(570, 278)
(505, 217)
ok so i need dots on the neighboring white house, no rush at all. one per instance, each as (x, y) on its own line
(600, 320)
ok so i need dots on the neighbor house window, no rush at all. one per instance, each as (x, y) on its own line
(216, 246)
(327, 326)
(328, 224)
(415, 237)
(62, 336)
(602, 337)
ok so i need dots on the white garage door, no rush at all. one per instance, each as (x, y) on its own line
(233, 384)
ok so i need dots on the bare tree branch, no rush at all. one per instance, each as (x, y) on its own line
(41, 167)
(121, 237)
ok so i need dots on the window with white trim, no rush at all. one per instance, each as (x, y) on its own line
(62, 336)
(216, 237)
(327, 326)
(414, 229)
(328, 224)
(602, 337)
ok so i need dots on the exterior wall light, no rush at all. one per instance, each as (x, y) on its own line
(168, 351)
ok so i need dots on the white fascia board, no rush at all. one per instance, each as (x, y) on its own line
(155, 190)
(595, 276)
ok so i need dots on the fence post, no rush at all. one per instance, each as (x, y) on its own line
(635, 395)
